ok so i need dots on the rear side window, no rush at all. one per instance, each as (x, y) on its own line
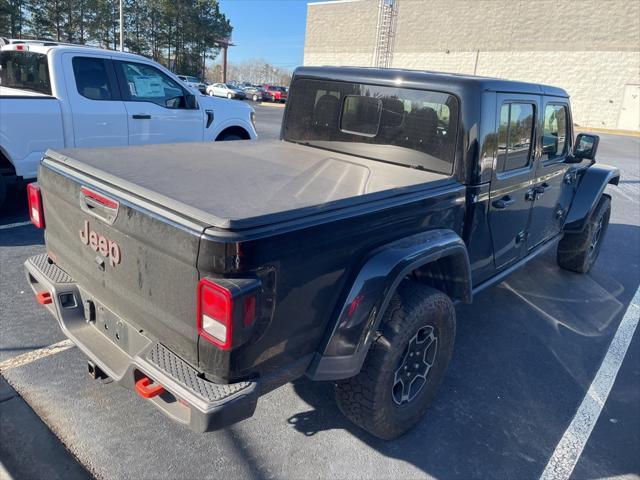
(416, 128)
(554, 134)
(91, 78)
(515, 134)
(25, 70)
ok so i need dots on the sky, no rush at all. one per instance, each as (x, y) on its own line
(266, 29)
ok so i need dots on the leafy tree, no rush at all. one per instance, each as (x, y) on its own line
(181, 34)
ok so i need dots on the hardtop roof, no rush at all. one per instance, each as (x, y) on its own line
(414, 78)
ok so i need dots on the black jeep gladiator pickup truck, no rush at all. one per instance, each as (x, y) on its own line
(204, 275)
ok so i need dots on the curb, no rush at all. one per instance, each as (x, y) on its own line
(272, 104)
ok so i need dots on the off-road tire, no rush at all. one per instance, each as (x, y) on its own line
(368, 398)
(578, 252)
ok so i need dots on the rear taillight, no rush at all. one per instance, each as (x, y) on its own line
(226, 310)
(34, 197)
(215, 313)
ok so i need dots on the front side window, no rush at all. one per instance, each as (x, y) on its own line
(91, 77)
(416, 128)
(554, 134)
(25, 70)
(148, 84)
(515, 133)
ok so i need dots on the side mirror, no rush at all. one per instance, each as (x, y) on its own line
(190, 101)
(586, 146)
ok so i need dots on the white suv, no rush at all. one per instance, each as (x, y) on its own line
(194, 83)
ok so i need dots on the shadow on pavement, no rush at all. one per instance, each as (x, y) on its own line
(526, 353)
(28, 449)
(14, 208)
(21, 236)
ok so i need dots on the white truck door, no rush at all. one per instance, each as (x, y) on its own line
(157, 107)
(98, 113)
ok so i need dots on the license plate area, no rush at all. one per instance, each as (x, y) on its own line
(107, 323)
(112, 327)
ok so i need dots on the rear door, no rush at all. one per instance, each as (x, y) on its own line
(156, 106)
(513, 175)
(98, 113)
(554, 186)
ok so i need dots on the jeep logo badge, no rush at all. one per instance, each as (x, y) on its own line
(108, 248)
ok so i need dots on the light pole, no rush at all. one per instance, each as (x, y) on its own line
(121, 28)
(224, 44)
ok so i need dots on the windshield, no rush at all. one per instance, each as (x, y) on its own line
(193, 79)
(410, 127)
(25, 70)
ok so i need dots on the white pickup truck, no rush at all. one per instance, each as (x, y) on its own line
(56, 96)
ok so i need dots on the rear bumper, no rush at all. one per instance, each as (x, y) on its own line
(127, 355)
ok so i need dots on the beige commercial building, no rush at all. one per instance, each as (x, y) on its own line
(591, 48)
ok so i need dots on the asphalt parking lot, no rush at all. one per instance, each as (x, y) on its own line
(526, 355)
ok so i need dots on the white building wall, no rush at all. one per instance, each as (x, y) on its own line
(591, 48)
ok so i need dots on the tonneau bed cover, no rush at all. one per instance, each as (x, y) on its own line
(242, 184)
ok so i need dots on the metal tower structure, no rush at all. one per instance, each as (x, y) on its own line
(385, 33)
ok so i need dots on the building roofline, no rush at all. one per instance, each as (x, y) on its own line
(333, 1)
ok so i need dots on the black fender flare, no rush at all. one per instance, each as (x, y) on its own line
(591, 187)
(348, 338)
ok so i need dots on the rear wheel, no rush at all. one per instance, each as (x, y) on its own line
(230, 137)
(578, 252)
(405, 365)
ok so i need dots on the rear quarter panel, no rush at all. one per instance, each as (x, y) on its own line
(312, 269)
(28, 127)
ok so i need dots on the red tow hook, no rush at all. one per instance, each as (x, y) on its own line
(44, 298)
(146, 391)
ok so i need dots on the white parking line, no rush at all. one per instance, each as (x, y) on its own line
(14, 225)
(34, 355)
(568, 451)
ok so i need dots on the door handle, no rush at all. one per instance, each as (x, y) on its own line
(541, 188)
(504, 202)
(141, 116)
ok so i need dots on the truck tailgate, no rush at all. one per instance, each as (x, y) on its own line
(136, 261)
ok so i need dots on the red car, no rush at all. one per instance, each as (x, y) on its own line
(279, 94)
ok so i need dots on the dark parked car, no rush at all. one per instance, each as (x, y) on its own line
(205, 275)
(257, 94)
